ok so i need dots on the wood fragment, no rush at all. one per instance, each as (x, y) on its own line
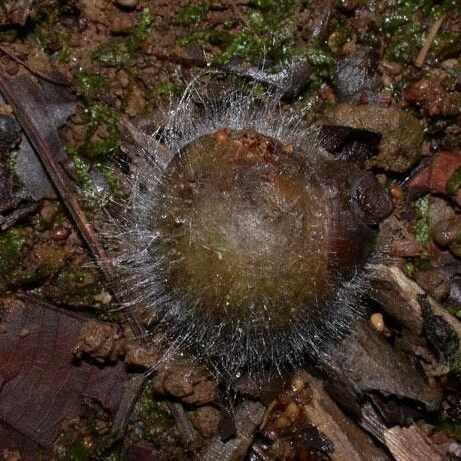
(37, 73)
(135, 135)
(19, 213)
(365, 363)
(188, 431)
(401, 298)
(409, 444)
(350, 442)
(419, 61)
(248, 416)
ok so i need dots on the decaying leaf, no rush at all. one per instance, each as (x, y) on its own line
(436, 176)
(42, 385)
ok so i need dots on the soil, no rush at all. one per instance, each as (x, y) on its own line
(382, 80)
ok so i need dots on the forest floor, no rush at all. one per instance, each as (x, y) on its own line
(75, 75)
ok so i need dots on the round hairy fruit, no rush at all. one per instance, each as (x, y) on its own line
(258, 235)
(244, 241)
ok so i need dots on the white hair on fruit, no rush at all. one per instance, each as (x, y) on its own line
(234, 339)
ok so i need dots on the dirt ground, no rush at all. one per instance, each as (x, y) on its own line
(75, 75)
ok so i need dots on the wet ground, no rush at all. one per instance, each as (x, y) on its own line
(74, 75)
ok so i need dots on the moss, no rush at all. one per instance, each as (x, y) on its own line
(422, 226)
(53, 43)
(342, 33)
(106, 450)
(169, 89)
(113, 53)
(82, 172)
(406, 27)
(409, 268)
(74, 276)
(11, 244)
(270, 32)
(321, 58)
(455, 311)
(48, 260)
(77, 451)
(11, 161)
(42, 225)
(191, 14)
(141, 32)
(212, 36)
(88, 189)
(452, 428)
(95, 117)
(91, 195)
(454, 182)
(101, 143)
(119, 50)
(112, 180)
(89, 84)
(414, 264)
(151, 422)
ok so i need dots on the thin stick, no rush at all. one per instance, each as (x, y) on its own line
(35, 72)
(59, 180)
(428, 42)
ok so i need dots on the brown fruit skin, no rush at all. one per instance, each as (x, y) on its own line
(258, 234)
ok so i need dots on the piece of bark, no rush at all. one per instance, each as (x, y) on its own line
(402, 299)
(188, 431)
(248, 416)
(350, 442)
(19, 213)
(137, 138)
(41, 385)
(372, 422)
(409, 444)
(349, 144)
(366, 363)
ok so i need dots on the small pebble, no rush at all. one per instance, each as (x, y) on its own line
(59, 234)
(127, 3)
(377, 322)
(391, 67)
(206, 420)
(104, 297)
(49, 210)
(455, 449)
(292, 411)
(282, 422)
(12, 68)
(397, 192)
(6, 110)
(24, 332)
